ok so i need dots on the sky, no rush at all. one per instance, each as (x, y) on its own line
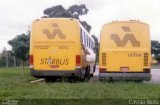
(17, 15)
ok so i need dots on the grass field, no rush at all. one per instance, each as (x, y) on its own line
(14, 86)
(156, 66)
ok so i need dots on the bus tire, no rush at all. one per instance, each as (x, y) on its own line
(87, 75)
(94, 68)
(91, 75)
(83, 73)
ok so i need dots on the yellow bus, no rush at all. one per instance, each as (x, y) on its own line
(61, 47)
(125, 51)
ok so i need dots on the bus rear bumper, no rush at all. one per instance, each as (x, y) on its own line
(58, 73)
(125, 76)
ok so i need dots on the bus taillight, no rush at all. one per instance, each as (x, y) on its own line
(102, 70)
(78, 60)
(31, 61)
(145, 59)
(103, 59)
(146, 70)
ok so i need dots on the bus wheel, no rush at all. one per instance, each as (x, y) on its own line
(83, 72)
(94, 68)
(91, 74)
(87, 74)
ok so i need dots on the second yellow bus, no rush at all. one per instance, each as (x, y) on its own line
(125, 51)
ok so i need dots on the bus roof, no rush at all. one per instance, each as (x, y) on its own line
(130, 21)
(57, 19)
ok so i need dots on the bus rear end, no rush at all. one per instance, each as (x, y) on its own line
(55, 49)
(125, 51)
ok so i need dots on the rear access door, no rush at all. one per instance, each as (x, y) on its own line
(124, 61)
(55, 57)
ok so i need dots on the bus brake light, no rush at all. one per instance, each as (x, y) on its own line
(31, 61)
(102, 70)
(78, 60)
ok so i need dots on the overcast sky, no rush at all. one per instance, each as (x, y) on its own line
(17, 15)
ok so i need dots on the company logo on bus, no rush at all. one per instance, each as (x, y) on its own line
(128, 37)
(56, 32)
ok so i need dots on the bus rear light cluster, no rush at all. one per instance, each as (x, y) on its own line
(145, 59)
(103, 59)
(147, 70)
(102, 70)
(31, 61)
(78, 60)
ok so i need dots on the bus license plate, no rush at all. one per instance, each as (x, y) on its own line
(124, 69)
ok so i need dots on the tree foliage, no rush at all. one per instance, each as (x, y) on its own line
(155, 49)
(7, 59)
(57, 11)
(74, 11)
(77, 10)
(20, 48)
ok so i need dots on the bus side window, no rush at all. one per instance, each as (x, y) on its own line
(89, 42)
(81, 34)
(83, 37)
(93, 45)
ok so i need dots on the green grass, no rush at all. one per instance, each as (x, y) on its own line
(14, 86)
(155, 66)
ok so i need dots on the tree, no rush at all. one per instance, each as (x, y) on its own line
(74, 11)
(2, 60)
(5, 54)
(7, 59)
(56, 11)
(20, 48)
(77, 10)
(155, 49)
